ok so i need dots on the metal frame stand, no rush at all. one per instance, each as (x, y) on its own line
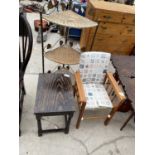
(94, 36)
(42, 42)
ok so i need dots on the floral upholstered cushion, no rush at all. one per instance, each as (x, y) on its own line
(97, 96)
(93, 66)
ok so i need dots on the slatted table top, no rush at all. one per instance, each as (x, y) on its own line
(54, 94)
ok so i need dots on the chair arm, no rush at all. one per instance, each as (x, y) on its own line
(119, 93)
(80, 87)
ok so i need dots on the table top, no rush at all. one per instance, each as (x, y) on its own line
(125, 68)
(54, 94)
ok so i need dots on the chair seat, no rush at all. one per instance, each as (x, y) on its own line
(96, 96)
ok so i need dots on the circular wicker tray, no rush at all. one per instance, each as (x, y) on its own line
(70, 19)
(64, 55)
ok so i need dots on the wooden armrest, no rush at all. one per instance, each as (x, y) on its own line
(118, 91)
(80, 87)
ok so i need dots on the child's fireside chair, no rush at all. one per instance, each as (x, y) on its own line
(95, 88)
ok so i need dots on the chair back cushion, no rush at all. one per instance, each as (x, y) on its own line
(93, 66)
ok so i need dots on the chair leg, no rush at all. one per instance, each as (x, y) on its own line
(19, 132)
(23, 88)
(109, 117)
(80, 115)
(128, 119)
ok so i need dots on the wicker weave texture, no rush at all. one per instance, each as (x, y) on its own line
(64, 55)
(70, 19)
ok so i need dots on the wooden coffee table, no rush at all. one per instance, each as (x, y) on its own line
(54, 97)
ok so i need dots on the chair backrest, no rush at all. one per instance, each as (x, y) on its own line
(25, 43)
(93, 66)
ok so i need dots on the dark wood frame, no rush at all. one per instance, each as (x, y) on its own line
(24, 57)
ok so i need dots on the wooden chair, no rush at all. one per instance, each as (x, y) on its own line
(95, 88)
(25, 49)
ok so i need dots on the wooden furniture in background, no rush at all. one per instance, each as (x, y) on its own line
(116, 28)
(125, 74)
(54, 97)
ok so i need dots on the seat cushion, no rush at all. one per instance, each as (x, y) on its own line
(97, 96)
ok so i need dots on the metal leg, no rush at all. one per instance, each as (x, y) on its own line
(63, 67)
(94, 36)
(39, 125)
(42, 42)
(66, 35)
(68, 122)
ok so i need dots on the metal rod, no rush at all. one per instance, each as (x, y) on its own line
(42, 42)
(94, 36)
(67, 29)
(66, 35)
(70, 5)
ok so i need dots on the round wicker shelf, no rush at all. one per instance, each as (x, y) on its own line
(64, 55)
(70, 19)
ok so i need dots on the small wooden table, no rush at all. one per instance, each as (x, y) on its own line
(54, 97)
(125, 73)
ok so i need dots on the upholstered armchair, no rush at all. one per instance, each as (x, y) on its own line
(95, 88)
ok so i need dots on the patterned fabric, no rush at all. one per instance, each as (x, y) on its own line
(97, 96)
(93, 65)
